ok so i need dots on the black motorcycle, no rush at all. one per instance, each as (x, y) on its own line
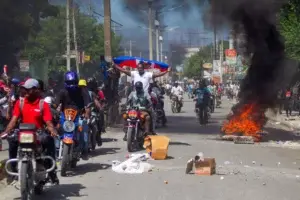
(31, 158)
(160, 113)
(95, 130)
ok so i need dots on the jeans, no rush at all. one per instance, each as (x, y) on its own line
(83, 137)
(203, 115)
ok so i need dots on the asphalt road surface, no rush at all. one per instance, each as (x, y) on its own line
(243, 171)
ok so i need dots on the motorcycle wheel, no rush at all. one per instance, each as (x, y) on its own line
(93, 139)
(65, 159)
(130, 136)
(26, 181)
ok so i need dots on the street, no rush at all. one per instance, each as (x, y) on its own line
(260, 171)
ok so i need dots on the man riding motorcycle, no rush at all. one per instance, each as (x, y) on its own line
(33, 110)
(141, 99)
(158, 93)
(79, 97)
(177, 91)
(98, 98)
(202, 97)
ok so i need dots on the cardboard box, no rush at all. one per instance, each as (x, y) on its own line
(157, 146)
(206, 167)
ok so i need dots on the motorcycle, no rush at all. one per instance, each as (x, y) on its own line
(219, 102)
(135, 128)
(94, 135)
(175, 104)
(32, 173)
(69, 150)
(212, 103)
(160, 113)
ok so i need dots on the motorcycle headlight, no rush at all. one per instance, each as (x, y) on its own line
(69, 126)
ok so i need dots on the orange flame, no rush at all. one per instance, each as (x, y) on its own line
(245, 122)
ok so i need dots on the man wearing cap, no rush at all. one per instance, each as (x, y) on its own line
(29, 110)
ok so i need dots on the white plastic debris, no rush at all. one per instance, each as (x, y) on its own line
(222, 178)
(253, 162)
(201, 156)
(226, 163)
(135, 164)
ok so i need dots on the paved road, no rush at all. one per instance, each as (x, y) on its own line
(244, 171)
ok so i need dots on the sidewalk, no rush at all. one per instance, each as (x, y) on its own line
(293, 122)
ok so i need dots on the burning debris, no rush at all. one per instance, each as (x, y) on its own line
(246, 120)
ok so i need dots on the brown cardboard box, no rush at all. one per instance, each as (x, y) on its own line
(206, 167)
(157, 146)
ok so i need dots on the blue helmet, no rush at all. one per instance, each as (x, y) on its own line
(15, 81)
(71, 80)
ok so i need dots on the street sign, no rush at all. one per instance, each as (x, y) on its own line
(87, 58)
(24, 65)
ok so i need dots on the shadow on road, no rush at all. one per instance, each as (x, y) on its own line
(88, 168)
(109, 139)
(280, 135)
(60, 192)
(179, 143)
(104, 151)
(190, 125)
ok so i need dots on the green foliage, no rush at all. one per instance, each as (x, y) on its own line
(50, 42)
(289, 20)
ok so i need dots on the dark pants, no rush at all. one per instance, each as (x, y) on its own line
(288, 106)
(202, 113)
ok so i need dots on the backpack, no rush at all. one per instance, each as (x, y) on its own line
(41, 105)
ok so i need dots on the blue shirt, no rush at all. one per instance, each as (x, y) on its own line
(103, 66)
(202, 95)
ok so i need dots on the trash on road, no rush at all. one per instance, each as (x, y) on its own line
(203, 166)
(136, 164)
(166, 182)
(157, 146)
(222, 178)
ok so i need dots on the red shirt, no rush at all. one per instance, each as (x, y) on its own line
(101, 95)
(31, 113)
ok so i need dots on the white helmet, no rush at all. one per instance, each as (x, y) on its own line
(48, 100)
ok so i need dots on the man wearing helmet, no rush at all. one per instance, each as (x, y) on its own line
(141, 99)
(72, 94)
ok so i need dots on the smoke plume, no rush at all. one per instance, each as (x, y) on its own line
(256, 20)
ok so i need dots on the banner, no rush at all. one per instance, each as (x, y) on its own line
(217, 67)
(230, 55)
(207, 65)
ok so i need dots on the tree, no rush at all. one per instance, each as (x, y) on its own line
(18, 20)
(50, 43)
(289, 21)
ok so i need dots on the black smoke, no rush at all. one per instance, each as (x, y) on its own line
(256, 20)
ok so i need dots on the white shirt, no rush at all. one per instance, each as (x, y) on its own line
(145, 78)
(177, 91)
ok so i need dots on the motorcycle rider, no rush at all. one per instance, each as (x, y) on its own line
(177, 91)
(79, 97)
(141, 98)
(212, 88)
(98, 98)
(158, 93)
(28, 109)
(202, 97)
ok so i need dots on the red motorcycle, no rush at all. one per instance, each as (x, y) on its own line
(135, 128)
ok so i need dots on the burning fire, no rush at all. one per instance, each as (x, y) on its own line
(248, 121)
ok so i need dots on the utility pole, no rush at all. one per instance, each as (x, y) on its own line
(107, 31)
(130, 47)
(68, 56)
(150, 30)
(75, 36)
(157, 36)
(221, 57)
(161, 48)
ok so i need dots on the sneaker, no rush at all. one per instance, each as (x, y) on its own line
(53, 177)
(85, 156)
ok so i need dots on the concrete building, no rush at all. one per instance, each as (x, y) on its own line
(191, 51)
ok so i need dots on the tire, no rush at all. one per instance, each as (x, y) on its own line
(93, 138)
(65, 159)
(26, 181)
(130, 135)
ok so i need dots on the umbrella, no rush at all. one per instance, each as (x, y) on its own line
(159, 65)
(130, 61)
